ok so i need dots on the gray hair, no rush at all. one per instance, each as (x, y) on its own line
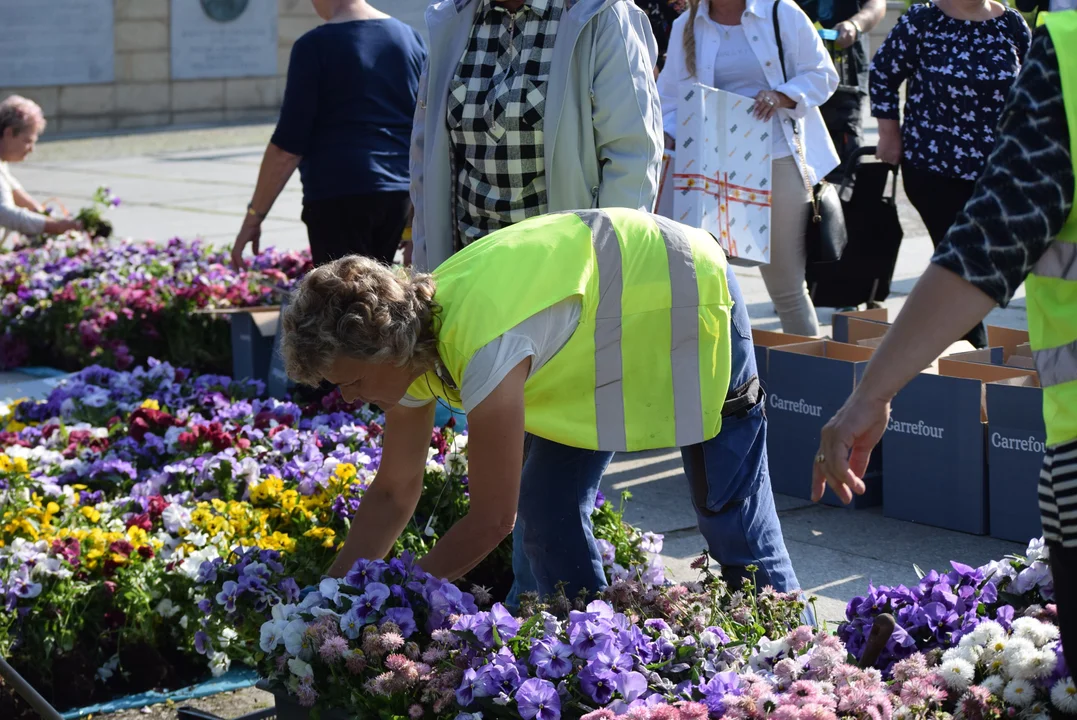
(20, 114)
(356, 307)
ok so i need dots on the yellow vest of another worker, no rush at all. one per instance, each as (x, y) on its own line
(649, 364)
(1052, 286)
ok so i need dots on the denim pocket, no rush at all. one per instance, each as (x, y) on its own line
(730, 467)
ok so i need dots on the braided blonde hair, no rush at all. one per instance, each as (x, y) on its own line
(690, 38)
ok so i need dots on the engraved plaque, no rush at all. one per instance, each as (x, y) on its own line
(223, 39)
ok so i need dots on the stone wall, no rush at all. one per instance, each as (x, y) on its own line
(144, 93)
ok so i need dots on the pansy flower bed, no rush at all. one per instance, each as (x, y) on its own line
(131, 503)
(76, 301)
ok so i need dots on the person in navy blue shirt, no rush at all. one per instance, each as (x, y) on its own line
(346, 124)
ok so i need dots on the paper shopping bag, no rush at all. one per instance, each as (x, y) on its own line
(722, 179)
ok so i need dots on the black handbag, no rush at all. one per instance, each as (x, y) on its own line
(825, 235)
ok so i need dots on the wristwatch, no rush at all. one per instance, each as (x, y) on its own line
(251, 212)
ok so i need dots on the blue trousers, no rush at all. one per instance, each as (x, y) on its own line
(730, 487)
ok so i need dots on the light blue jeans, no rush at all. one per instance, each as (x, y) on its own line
(727, 475)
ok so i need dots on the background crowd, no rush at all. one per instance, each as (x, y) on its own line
(523, 107)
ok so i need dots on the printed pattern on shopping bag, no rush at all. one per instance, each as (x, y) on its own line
(722, 182)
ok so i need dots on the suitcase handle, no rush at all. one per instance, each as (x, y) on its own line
(848, 170)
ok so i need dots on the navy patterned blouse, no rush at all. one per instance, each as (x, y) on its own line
(959, 73)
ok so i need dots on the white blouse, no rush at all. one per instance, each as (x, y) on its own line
(812, 77)
(13, 217)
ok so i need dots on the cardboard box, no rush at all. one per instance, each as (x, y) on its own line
(841, 320)
(1016, 441)
(934, 449)
(253, 336)
(808, 383)
(1009, 339)
(764, 340)
(278, 384)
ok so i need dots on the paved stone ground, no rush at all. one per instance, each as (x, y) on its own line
(197, 183)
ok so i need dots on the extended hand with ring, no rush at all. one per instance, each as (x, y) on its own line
(845, 447)
(767, 102)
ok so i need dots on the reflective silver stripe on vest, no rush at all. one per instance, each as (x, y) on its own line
(1058, 261)
(609, 392)
(684, 323)
(1057, 365)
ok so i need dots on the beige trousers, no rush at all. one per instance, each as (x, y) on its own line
(784, 276)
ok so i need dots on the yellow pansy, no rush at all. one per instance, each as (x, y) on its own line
(90, 514)
(151, 404)
(345, 471)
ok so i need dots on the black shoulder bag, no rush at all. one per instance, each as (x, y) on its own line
(826, 235)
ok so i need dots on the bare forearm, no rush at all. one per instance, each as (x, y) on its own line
(378, 522)
(277, 167)
(870, 15)
(941, 308)
(25, 200)
(463, 547)
(888, 126)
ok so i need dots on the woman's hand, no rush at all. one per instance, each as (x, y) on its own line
(768, 102)
(846, 445)
(59, 227)
(889, 148)
(250, 233)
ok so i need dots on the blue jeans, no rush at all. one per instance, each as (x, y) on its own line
(729, 481)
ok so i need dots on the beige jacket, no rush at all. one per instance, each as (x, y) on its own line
(603, 121)
(13, 217)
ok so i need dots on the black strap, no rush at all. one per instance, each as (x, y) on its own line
(778, 38)
(741, 400)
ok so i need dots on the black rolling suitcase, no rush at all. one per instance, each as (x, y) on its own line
(864, 272)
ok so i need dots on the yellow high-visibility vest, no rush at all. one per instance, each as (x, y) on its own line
(649, 363)
(1052, 286)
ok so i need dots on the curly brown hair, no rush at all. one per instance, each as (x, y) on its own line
(359, 308)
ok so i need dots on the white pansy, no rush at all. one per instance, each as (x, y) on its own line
(1037, 550)
(219, 664)
(176, 518)
(456, 464)
(197, 538)
(227, 636)
(330, 590)
(272, 635)
(459, 442)
(166, 608)
(183, 621)
(1064, 696)
(283, 611)
(1019, 693)
(300, 669)
(957, 674)
(193, 562)
(295, 634)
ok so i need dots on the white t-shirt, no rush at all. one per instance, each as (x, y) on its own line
(737, 70)
(540, 337)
